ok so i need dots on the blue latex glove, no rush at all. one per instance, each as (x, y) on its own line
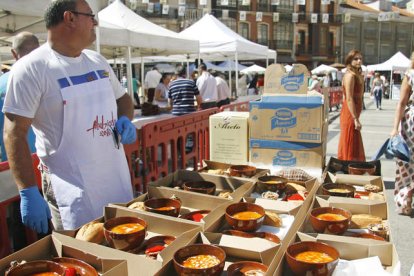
(34, 210)
(126, 128)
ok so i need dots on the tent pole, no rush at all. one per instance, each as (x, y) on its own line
(237, 74)
(142, 80)
(129, 72)
(230, 82)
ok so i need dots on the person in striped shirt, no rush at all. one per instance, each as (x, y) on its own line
(182, 93)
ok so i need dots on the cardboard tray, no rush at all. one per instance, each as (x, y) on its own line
(189, 202)
(56, 245)
(335, 165)
(358, 181)
(233, 254)
(213, 165)
(237, 187)
(184, 232)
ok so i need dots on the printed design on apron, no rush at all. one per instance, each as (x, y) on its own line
(87, 170)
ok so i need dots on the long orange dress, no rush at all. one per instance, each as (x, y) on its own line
(350, 141)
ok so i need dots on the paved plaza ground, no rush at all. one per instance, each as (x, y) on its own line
(376, 126)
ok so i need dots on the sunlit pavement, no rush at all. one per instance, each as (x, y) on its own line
(376, 126)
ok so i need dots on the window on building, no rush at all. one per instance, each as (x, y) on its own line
(283, 34)
(244, 30)
(262, 34)
(262, 5)
(229, 22)
(231, 3)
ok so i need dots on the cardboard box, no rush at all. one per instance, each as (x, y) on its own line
(288, 118)
(287, 154)
(229, 137)
(341, 166)
(213, 165)
(278, 81)
(189, 202)
(183, 231)
(349, 249)
(60, 246)
(249, 251)
(237, 186)
(358, 181)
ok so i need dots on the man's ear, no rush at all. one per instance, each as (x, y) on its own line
(67, 16)
(15, 55)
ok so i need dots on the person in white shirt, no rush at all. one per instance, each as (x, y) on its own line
(223, 90)
(314, 84)
(207, 86)
(152, 79)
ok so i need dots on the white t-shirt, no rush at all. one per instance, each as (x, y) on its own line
(34, 91)
(223, 90)
(207, 86)
(164, 95)
(152, 78)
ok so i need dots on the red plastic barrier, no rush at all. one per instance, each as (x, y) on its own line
(4, 231)
(165, 141)
(241, 106)
(335, 96)
(133, 155)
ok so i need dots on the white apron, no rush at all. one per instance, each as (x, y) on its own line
(87, 170)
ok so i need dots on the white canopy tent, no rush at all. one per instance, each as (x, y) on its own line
(253, 69)
(398, 62)
(119, 26)
(323, 69)
(230, 65)
(218, 42)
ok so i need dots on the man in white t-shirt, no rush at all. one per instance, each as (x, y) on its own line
(207, 86)
(81, 117)
(223, 90)
(152, 79)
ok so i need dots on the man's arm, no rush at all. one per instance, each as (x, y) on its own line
(125, 106)
(17, 148)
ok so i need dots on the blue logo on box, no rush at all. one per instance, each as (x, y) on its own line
(284, 158)
(292, 83)
(284, 118)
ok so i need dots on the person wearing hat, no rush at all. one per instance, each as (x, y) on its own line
(404, 126)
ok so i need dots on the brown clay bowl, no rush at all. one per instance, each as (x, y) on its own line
(199, 249)
(203, 187)
(379, 229)
(271, 183)
(368, 236)
(303, 268)
(243, 267)
(34, 267)
(246, 225)
(337, 227)
(82, 268)
(327, 189)
(242, 170)
(361, 168)
(195, 215)
(125, 241)
(263, 235)
(163, 206)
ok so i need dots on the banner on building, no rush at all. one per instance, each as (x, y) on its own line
(314, 18)
(242, 16)
(150, 8)
(165, 9)
(388, 16)
(203, 2)
(295, 17)
(275, 17)
(259, 16)
(245, 2)
(224, 2)
(145, 1)
(275, 2)
(181, 10)
(301, 2)
(163, 2)
(133, 4)
(181, 2)
(325, 2)
(325, 18)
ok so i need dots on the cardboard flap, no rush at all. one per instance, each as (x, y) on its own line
(281, 207)
(277, 80)
(359, 206)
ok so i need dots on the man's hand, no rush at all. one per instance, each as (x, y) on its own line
(34, 209)
(127, 130)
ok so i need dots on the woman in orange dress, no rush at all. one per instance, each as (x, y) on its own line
(350, 141)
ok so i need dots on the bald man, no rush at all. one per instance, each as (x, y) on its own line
(23, 43)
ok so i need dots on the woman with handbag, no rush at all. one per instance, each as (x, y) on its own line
(404, 120)
(350, 145)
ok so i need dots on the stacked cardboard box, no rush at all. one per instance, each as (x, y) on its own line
(288, 127)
